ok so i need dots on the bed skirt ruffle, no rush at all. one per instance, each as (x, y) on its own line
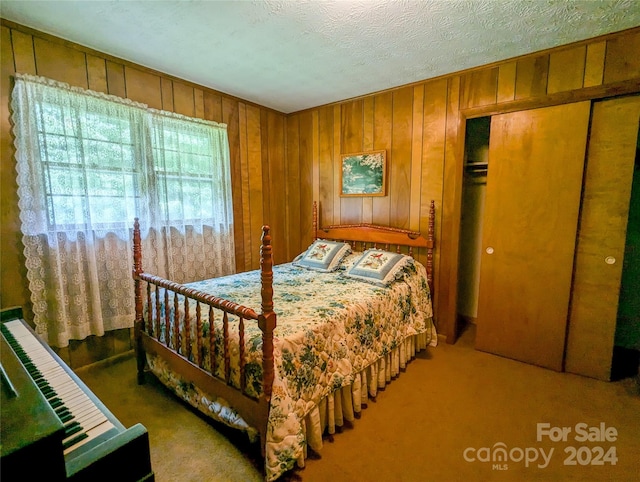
(347, 403)
(344, 404)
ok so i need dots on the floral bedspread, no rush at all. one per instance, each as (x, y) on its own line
(329, 328)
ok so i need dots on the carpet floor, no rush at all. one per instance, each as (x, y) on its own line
(446, 418)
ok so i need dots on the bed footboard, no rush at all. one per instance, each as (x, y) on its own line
(172, 320)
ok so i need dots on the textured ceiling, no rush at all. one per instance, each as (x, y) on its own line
(291, 55)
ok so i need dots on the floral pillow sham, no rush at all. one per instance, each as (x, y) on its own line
(379, 267)
(323, 255)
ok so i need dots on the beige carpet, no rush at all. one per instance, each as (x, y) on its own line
(450, 401)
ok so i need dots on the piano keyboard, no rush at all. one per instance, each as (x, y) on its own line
(82, 419)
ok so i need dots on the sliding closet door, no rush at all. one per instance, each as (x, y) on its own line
(536, 160)
(601, 243)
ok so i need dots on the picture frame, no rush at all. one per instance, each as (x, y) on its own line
(363, 174)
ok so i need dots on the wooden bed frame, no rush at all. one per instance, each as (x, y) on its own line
(254, 411)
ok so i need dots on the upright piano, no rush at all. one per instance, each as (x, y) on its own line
(52, 426)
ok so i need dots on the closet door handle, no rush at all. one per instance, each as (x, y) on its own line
(489, 250)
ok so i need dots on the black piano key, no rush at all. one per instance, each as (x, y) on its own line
(65, 418)
(45, 389)
(71, 428)
(74, 440)
(52, 395)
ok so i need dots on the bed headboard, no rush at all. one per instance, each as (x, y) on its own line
(382, 237)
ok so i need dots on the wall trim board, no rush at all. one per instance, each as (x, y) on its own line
(625, 87)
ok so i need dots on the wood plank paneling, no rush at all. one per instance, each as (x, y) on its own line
(351, 140)
(531, 76)
(244, 185)
(254, 149)
(335, 159)
(566, 69)
(115, 79)
(59, 62)
(367, 145)
(479, 88)
(166, 87)
(306, 186)
(198, 103)
(23, 55)
(296, 143)
(622, 61)
(231, 118)
(183, 99)
(506, 82)
(97, 73)
(399, 165)
(143, 87)
(451, 200)
(315, 123)
(266, 173)
(277, 192)
(594, 68)
(213, 107)
(326, 166)
(416, 157)
(433, 152)
(382, 132)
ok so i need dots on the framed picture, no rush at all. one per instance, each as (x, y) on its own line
(363, 174)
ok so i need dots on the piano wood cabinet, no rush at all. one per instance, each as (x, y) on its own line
(53, 427)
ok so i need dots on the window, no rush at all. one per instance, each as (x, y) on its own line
(186, 172)
(88, 164)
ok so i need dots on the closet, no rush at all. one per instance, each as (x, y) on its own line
(476, 164)
(552, 234)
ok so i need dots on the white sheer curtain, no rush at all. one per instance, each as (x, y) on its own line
(88, 163)
(193, 179)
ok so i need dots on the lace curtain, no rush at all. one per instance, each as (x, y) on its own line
(88, 164)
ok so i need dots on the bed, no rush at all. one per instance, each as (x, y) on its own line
(333, 327)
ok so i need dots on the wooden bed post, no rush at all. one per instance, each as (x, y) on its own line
(138, 326)
(267, 319)
(431, 242)
(267, 323)
(315, 220)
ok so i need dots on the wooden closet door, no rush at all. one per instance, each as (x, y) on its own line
(536, 163)
(601, 242)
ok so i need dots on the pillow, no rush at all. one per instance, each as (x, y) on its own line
(379, 267)
(323, 255)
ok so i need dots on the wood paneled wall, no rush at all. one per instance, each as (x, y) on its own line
(296, 158)
(422, 128)
(256, 139)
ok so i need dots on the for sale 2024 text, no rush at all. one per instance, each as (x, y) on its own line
(591, 451)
